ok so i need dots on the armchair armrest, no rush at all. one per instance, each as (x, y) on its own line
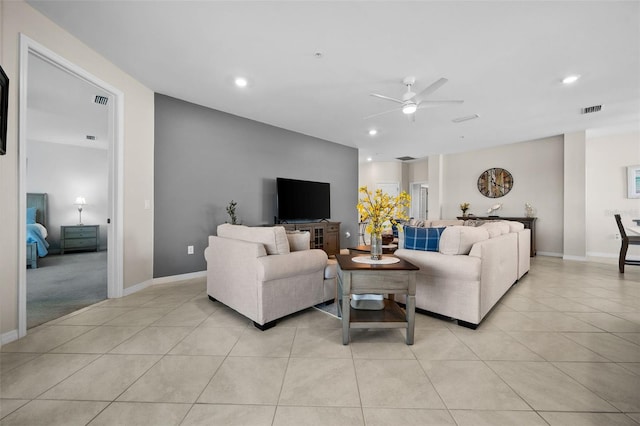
(290, 265)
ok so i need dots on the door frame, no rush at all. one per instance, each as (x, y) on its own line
(115, 231)
(416, 197)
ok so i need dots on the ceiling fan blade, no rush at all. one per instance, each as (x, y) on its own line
(429, 90)
(433, 104)
(381, 113)
(387, 98)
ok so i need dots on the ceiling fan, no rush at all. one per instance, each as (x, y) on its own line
(412, 102)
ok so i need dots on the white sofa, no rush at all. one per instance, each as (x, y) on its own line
(473, 269)
(265, 273)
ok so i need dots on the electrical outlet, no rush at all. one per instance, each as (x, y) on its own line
(189, 249)
(616, 236)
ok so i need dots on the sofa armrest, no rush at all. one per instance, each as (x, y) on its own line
(290, 265)
(232, 249)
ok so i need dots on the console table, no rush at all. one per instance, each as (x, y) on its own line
(529, 223)
(391, 279)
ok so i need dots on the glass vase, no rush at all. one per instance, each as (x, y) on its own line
(376, 246)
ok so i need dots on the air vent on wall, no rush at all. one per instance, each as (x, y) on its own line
(405, 158)
(91, 138)
(102, 100)
(589, 110)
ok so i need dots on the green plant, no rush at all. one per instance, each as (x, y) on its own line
(231, 210)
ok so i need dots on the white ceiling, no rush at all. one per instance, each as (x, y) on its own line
(62, 109)
(504, 59)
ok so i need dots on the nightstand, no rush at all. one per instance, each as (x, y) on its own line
(79, 237)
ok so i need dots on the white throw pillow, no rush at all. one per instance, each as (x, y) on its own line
(495, 228)
(513, 225)
(274, 238)
(298, 240)
(459, 239)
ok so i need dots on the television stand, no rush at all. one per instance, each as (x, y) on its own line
(325, 235)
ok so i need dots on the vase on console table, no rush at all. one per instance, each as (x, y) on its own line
(376, 246)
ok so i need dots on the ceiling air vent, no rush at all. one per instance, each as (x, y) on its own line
(405, 158)
(102, 100)
(589, 110)
(91, 138)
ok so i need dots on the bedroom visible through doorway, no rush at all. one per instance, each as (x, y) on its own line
(67, 150)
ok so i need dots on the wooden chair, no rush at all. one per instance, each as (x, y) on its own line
(626, 240)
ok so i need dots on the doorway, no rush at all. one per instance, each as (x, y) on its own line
(419, 200)
(69, 183)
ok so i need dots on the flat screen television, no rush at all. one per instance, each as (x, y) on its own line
(303, 200)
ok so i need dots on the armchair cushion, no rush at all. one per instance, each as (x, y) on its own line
(298, 240)
(273, 238)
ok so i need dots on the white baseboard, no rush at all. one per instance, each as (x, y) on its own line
(8, 337)
(577, 258)
(611, 255)
(136, 288)
(177, 278)
(163, 280)
(548, 253)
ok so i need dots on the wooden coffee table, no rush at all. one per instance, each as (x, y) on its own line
(386, 249)
(391, 279)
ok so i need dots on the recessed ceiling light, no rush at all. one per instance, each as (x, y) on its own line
(373, 132)
(369, 159)
(570, 79)
(241, 82)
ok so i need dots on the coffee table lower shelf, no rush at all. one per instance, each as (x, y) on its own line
(392, 316)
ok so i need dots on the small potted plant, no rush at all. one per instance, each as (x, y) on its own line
(231, 211)
(464, 207)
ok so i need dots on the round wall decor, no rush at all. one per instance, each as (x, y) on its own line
(495, 182)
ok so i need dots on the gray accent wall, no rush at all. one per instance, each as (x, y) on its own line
(205, 158)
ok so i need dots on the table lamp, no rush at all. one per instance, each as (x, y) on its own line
(80, 201)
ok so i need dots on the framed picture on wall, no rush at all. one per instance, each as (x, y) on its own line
(4, 107)
(633, 181)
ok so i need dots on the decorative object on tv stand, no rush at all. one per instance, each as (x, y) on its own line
(80, 202)
(495, 182)
(380, 210)
(464, 207)
(528, 210)
(494, 208)
(231, 211)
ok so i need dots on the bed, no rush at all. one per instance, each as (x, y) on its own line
(37, 244)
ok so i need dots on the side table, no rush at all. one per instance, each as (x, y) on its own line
(79, 237)
(391, 279)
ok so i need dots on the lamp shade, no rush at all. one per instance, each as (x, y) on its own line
(80, 201)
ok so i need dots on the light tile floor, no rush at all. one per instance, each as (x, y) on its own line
(561, 348)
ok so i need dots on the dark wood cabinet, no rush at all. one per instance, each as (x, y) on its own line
(324, 235)
(529, 223)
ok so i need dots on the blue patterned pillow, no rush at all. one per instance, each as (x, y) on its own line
(425, 239)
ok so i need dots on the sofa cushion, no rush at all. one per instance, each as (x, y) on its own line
(445, 222)
(513, 225)
(457, 240)
(425, 239)
(273, 238)
(299, 240)
(495, 228)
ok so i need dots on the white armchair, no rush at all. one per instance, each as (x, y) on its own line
(254, 271)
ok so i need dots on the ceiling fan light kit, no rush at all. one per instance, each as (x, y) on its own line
(412, 102)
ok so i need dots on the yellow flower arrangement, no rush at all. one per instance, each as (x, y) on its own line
(464, 207)
(382, 210)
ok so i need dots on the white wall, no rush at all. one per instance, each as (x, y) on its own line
(18, 17)
(607, 158)
(371, 173)
(537, 170)
(65, 172)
